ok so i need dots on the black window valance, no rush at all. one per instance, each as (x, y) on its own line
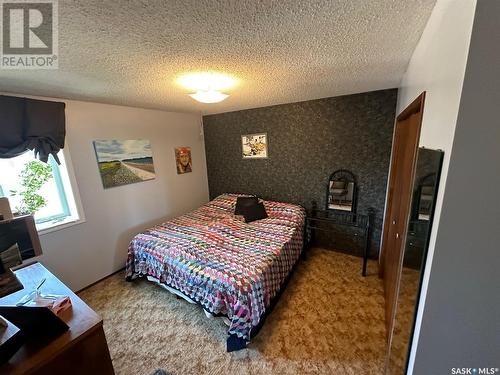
(30, 124)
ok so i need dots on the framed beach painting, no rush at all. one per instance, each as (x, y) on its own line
(124, 162)
(254, 146)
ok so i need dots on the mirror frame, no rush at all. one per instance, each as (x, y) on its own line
(426, 250)
(348, 176)
(423, 262)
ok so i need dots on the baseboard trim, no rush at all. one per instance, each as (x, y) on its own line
(98, 281)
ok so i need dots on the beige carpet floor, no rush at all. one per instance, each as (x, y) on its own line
(329, 320)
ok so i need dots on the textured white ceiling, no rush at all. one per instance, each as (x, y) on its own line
(130, 52)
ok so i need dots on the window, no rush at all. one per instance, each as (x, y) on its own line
(63, 206)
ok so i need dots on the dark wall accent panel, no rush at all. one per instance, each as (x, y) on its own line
(307, 142)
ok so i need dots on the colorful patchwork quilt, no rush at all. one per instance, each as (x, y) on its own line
(229, 267)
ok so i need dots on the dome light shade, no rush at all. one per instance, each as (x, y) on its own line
(207, 86)
(209, 96)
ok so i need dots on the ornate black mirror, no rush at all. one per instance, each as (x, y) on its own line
(341, 193)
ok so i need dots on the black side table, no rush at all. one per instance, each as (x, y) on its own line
(360, 223)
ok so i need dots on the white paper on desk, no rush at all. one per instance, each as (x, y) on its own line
(56, 303)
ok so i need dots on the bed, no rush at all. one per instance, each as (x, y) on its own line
(231, 268)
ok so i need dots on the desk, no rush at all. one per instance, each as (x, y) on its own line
(80, 350)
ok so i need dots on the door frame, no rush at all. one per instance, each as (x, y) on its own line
(416, 106)
(411, 139)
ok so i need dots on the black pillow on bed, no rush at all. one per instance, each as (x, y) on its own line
(254, 212)
(243, 202)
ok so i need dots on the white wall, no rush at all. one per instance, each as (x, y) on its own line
(461, 321)
(438, 67)
(87, 252)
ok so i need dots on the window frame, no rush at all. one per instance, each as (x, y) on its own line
(65, 183)
(63, 199)
(72, 184)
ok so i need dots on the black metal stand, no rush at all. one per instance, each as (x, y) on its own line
(363, 223)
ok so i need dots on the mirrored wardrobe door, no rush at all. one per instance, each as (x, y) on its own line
(425, 186)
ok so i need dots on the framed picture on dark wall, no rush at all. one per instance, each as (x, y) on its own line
(254, 146)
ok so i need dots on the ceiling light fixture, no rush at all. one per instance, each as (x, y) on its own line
(210, 96)
(208, 85)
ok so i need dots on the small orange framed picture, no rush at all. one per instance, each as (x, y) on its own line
(183, 160)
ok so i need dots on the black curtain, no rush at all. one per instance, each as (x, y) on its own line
(30, 124)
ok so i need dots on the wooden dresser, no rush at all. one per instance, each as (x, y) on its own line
(81, 350)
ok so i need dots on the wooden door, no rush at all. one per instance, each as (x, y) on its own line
(404, 154)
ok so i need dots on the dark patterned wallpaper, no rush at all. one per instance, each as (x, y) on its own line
(307, 142)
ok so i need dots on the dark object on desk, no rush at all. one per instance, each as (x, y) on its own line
(342, 191)
(34, 321)
(326, 220)
(10, 257)
(8, 282)
(18, 241)
(20, 230)
(80, 350)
